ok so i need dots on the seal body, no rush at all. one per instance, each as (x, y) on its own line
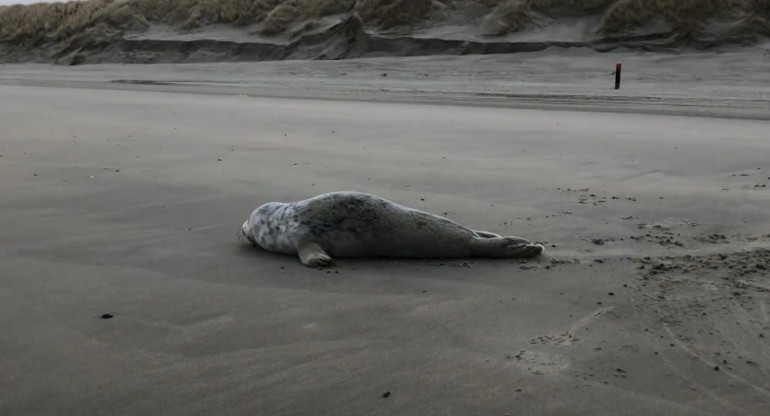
(353, 224)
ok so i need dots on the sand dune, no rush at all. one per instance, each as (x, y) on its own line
(247, 30)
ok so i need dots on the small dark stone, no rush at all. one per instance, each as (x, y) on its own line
(598, 261)
(386, 395)
(107, 316)
(620, 370)
(611, 293)
(716, 368)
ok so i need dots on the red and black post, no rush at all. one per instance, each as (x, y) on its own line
(618, 67)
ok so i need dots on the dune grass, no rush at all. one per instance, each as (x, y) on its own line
(389, 13)
(758, 12)
(686, 17)
(36, 23)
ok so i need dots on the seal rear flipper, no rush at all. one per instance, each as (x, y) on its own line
(312, 255)
(486, 234)
(505, 247)
(528, 250)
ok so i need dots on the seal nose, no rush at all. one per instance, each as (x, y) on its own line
(245, 233)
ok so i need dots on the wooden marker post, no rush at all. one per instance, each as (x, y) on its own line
(618, 67)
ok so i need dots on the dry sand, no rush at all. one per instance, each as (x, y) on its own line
(725, 83)
(124, 199)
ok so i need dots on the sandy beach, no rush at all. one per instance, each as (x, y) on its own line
(123, 188)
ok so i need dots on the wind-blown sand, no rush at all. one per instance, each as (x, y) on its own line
(724, 83)
(124, 198)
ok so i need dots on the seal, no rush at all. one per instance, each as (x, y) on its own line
(357, 225)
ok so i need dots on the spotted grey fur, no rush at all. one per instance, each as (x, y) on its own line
(353, 224)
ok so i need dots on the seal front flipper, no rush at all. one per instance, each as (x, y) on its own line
(312, 255)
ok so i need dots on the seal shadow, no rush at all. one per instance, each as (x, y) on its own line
(249, 251)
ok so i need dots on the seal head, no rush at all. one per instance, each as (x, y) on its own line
(274, 227)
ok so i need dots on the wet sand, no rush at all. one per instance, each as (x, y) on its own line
(652, 297)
